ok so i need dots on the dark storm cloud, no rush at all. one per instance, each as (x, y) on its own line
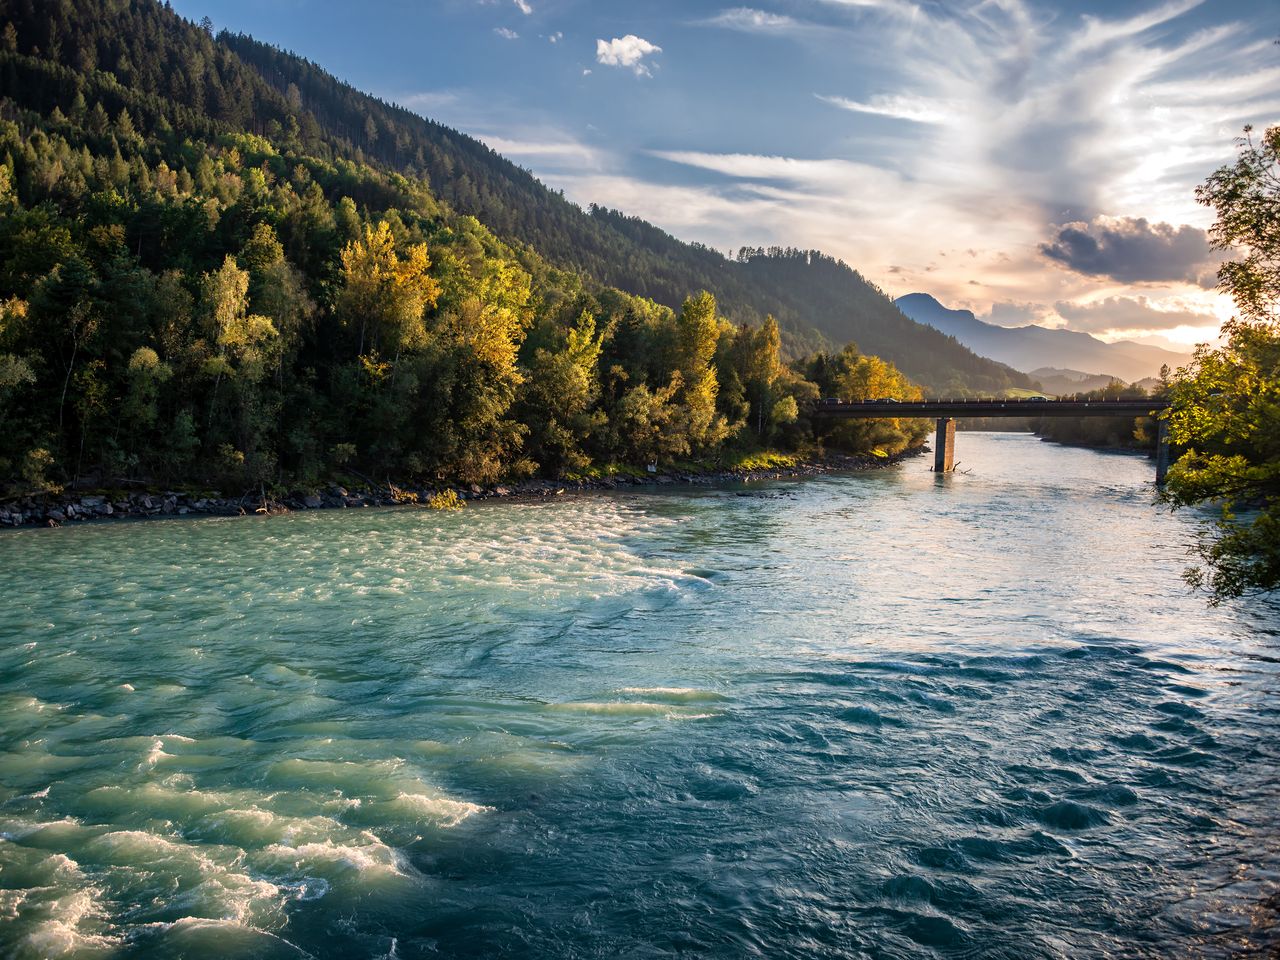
(1134, 251)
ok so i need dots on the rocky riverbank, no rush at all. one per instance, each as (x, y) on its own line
(73, 507)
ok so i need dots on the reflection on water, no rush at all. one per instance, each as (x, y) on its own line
(883, 715)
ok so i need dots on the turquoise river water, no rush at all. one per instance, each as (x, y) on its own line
(880, 715)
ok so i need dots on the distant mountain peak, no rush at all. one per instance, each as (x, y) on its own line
(919, 298)
(928, 301)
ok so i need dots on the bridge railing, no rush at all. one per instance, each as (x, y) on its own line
(1033, 402)
(885, 408)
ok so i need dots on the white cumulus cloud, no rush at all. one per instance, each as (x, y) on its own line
(524, 7)
(628, 51)
(506, 34)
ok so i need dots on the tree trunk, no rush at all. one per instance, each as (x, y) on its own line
(75, 345)
(80, 457)
(213, 402)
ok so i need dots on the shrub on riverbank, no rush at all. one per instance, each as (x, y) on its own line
(445, 500)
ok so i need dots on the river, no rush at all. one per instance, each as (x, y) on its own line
(880, 715)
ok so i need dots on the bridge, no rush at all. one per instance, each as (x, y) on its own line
(946, 412)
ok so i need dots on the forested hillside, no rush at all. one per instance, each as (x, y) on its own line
(208, 276)
(250, 86)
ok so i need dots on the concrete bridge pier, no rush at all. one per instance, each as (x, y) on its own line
(944, 446)
(1162, 450)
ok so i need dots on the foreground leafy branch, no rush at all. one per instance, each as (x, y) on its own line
(1226, 404)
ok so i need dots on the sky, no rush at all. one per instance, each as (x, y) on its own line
(1033, 162)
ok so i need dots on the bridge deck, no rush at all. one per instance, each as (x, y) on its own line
(874, 409)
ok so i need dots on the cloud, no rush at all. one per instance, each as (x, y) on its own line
(506, 33)
(1131, 313)
(751, 21)
(830, 204)
(1014, 314)
(916, 109)
(678, 208)
(556, 37)
(556, 149)
(524, 7)
(751, 166)
(426, 100)
(628, 51)
(1063, 110)
(1099, 32)
(1131, 250)
(898, 6)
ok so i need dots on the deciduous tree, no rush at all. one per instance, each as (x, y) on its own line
(1226, 404)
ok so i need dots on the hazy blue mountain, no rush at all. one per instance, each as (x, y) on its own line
(1030, 348)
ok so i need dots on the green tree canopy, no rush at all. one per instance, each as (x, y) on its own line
(1226, 403)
